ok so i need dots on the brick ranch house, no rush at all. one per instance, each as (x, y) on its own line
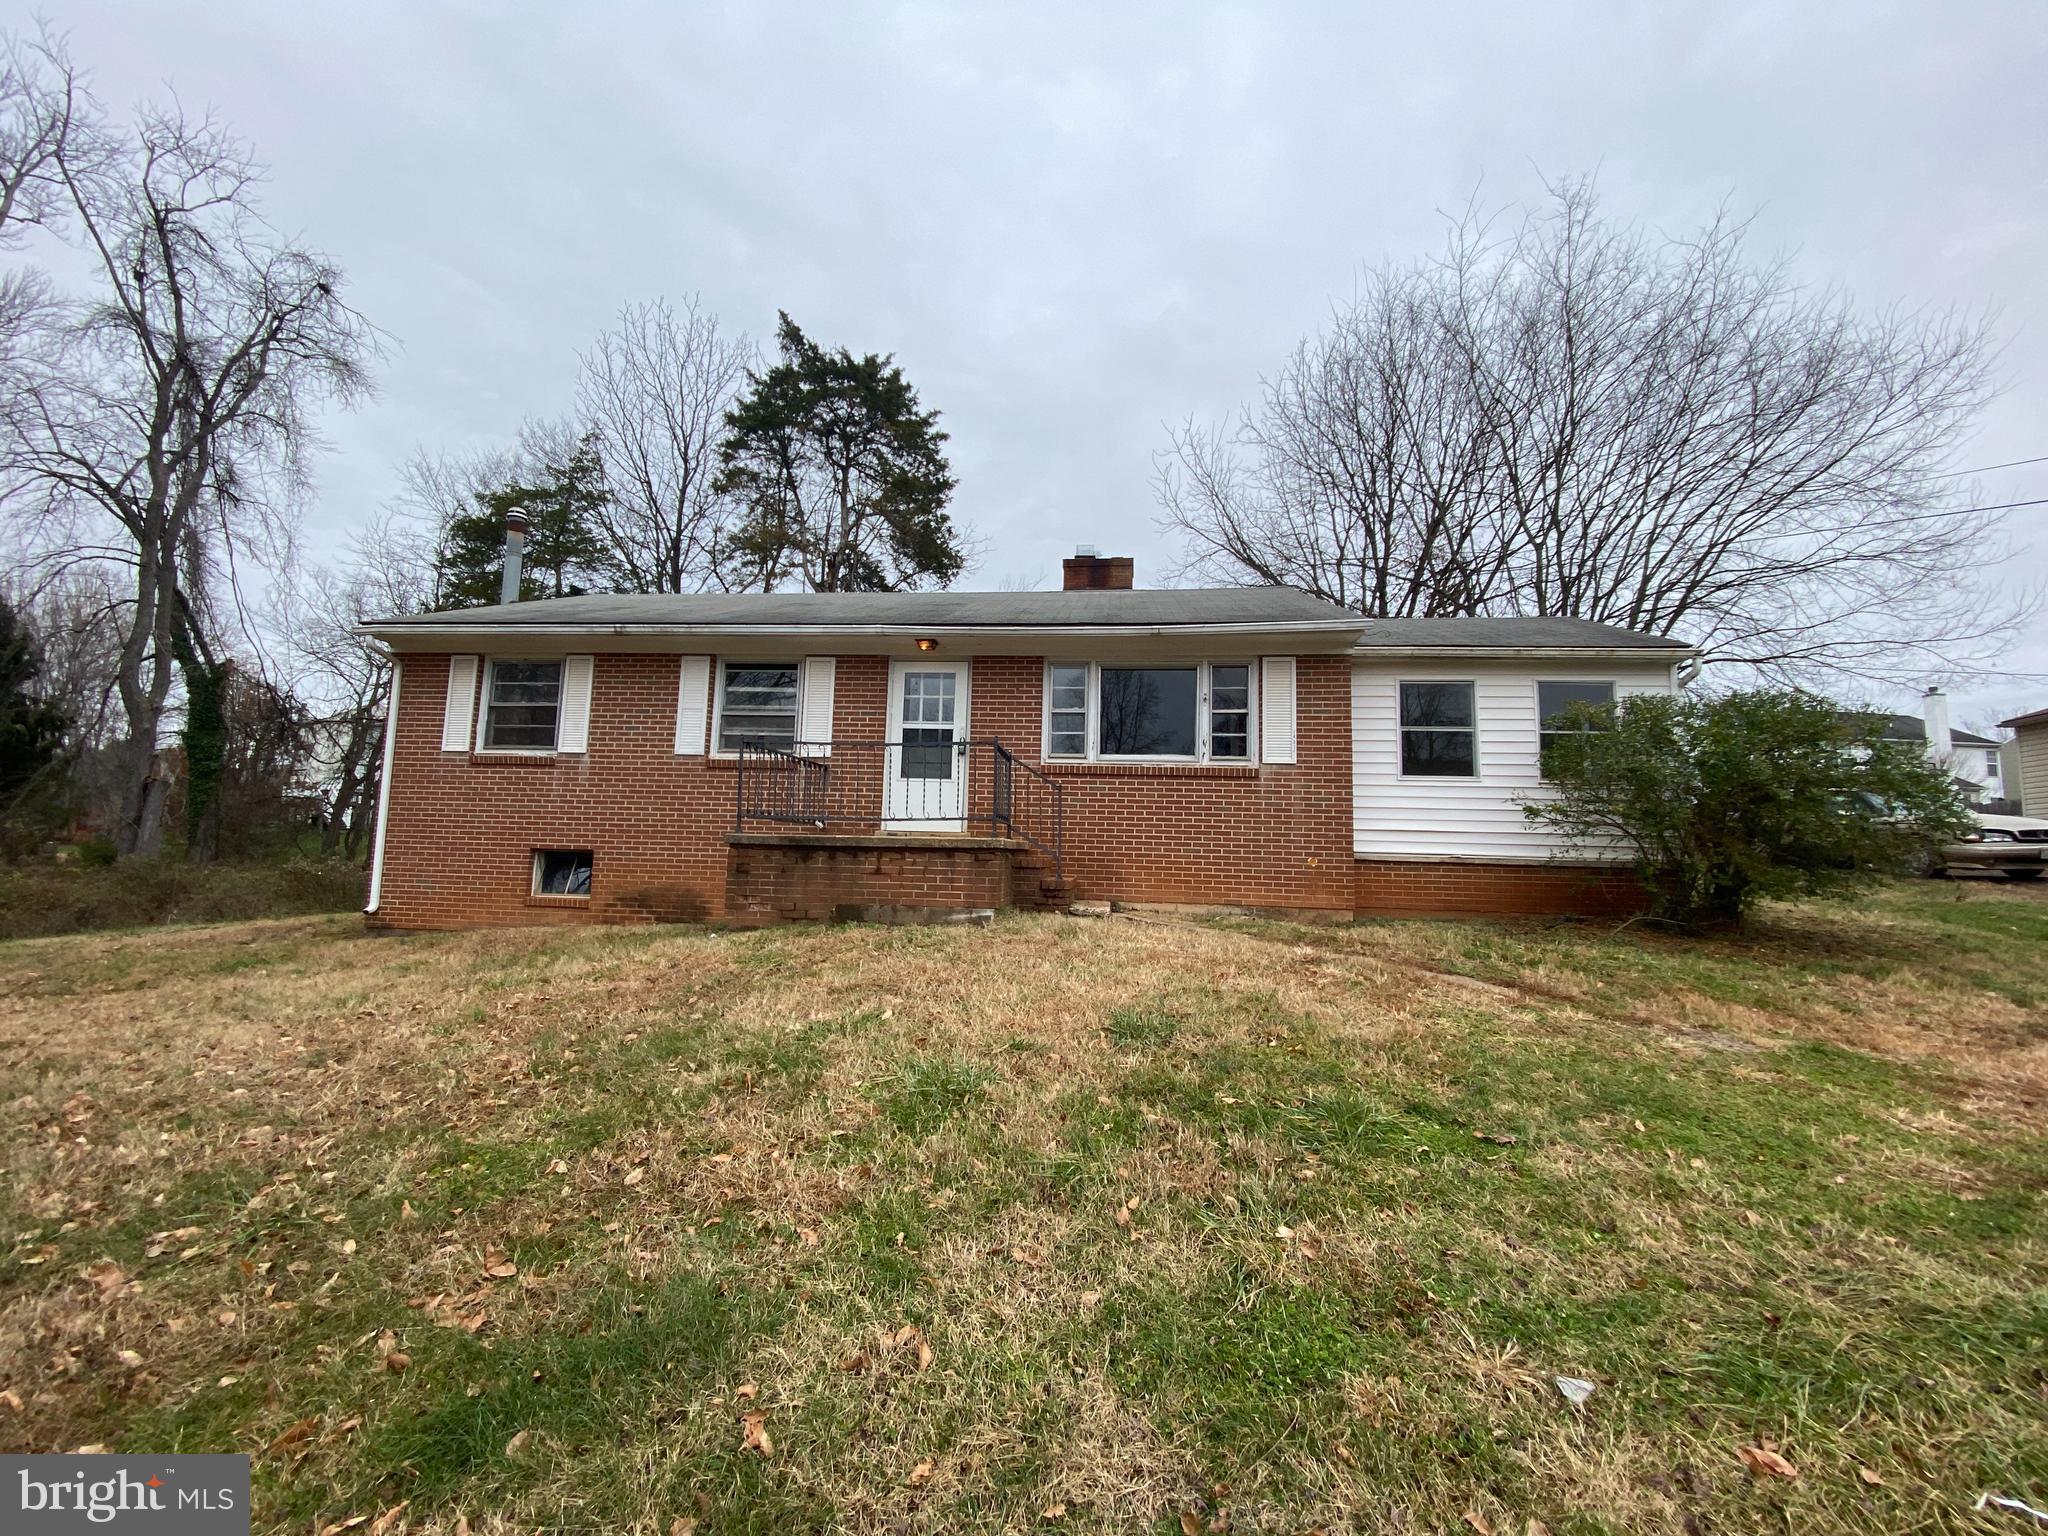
(762, 757)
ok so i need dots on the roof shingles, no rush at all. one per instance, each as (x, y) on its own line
(1245, 607)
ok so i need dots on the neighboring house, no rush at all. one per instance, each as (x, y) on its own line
(2026, 762)
(757, 757)
(1973, 761)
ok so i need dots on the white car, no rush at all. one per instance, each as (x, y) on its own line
(2013, 846)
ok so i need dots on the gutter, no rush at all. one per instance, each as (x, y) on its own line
(1671, 653)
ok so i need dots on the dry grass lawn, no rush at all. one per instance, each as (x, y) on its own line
(1061, 1226)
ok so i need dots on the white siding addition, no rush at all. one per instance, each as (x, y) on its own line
(1464, 818)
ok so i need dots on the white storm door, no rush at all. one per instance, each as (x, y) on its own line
(924, 776)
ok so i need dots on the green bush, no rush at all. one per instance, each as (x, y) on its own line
(1724, 799)
(45, 898)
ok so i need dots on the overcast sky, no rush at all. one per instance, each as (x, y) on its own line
(1079, 224)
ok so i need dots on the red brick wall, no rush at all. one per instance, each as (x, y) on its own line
(463, 827)
(1407, 888)
(1276, 836)
(777, 883)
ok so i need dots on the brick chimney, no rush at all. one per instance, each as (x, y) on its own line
(1088, 571)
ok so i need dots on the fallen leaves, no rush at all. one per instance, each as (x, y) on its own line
(910, 1336)
(498, 1267)
(294, 1434)
(922, 1473)
(754, 1434)
(1871, 1476)
(1763, 1460)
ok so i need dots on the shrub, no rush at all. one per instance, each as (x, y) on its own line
(1724, 799)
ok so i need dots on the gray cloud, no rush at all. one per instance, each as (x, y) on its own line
(1074, 224)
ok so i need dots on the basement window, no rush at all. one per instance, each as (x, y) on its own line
(561, 872)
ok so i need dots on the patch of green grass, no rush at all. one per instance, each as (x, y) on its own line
(1141, 1027)
(930, 1091)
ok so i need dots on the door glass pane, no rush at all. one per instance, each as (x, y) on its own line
(927, 752)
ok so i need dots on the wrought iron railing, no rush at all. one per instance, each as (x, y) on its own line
(882, 786)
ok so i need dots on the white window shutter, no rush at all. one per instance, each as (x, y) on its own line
(693, 693)
(461, 705)
(1276, 709)
(574, 735)
(815, 726)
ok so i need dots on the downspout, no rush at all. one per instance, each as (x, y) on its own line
(384, 790)
(1687, 672)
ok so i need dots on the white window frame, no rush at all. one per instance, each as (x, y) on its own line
(718, 666)
(539, 854)
(1204, 690)
(1478, 773)
(483, 708)
(1536, 699)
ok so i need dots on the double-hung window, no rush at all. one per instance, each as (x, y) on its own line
(757, 705)
(522, 706)
(1439, 731)
(1230, 712)
(1066, 710)
(1556, 716)
(1193, 712)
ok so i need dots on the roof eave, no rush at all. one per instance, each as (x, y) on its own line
(389, 629)
(1519, 652)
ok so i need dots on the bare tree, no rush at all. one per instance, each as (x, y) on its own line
(1582, 419)
(163, 428)
(653, 394)
(50, 126)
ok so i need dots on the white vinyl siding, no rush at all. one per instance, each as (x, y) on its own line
(1463, 818)
(573, 734)
(460, 706)
(693, 705)
(2028, 754)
